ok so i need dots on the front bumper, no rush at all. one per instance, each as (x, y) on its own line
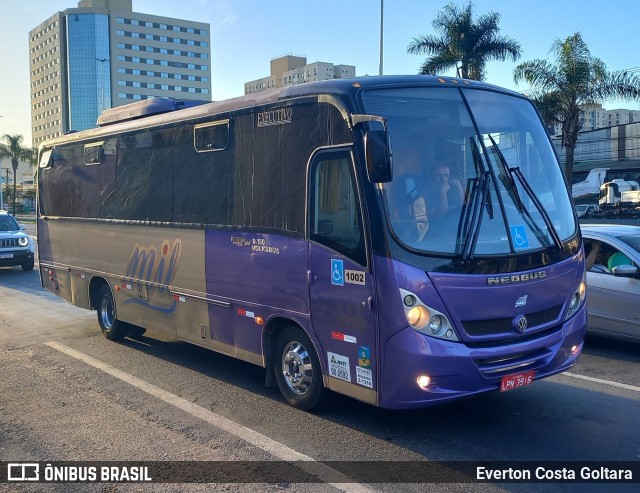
(10, 258)
(459, 370)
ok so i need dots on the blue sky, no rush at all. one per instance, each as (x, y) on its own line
(247, 34)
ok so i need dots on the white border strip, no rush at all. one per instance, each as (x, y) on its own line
(247, 434)
(605, 382)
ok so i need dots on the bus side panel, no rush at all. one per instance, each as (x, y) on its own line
(262, 274)
(141, 264)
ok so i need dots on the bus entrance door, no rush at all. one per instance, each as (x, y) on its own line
(341, 286)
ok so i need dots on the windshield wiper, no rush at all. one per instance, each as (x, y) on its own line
(509, 174)
(481, 197)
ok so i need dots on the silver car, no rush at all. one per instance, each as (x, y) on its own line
(613, 280)
(16, 247)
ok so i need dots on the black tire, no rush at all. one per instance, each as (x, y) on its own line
(301, 387)
(27, 267)
(134, 331)
(112, 328)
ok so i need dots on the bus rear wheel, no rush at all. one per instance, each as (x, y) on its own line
(112, 328)
(297, 369)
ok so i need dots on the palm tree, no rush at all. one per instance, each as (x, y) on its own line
(576, 79)
(12, 148)
(463, 43)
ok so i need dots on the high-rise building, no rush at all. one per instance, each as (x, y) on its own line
(291, 69)
(102, 54)
(594, 117)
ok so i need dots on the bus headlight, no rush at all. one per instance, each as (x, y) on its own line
(24, 241)
(418, 317)
(578, 298)
(425, 319)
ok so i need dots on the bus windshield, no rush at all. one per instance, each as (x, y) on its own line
(474, 173)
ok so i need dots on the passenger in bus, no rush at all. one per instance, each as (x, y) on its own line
(444, 193)
(410, 213)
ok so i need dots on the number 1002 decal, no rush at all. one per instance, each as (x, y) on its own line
(354, 277)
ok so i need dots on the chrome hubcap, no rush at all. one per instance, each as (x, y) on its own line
(297, 368)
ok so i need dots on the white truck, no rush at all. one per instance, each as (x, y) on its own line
(620, 197)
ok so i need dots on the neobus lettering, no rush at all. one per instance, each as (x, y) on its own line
(495, 281)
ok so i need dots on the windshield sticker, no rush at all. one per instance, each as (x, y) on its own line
(337, 272)
(339, 366)
(519, 237)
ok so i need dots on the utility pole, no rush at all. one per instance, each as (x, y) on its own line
(102, 62)
(14, 164)
(381, 32)
(7, 178)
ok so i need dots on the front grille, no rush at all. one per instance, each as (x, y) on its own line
(494, 367)
(504, 325)
(9, 243)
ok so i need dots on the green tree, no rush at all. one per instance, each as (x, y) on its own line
(463, 43)
(11, 147)
(577, 78)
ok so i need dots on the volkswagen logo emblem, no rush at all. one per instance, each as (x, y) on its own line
(519, 324)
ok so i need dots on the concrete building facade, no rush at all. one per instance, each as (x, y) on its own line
(594, 117)
(292, 69)
(102, 54)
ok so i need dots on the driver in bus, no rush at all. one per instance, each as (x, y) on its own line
(444, 193)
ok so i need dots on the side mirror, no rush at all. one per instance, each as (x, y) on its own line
(624, 270)
(378, 156)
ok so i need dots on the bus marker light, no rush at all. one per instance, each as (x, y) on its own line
(116, 287)
(423, 381)
(259, 320)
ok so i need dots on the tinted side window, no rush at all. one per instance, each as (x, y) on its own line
(144, 186)
(336, 220)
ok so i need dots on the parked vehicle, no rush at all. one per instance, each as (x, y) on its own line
(613, 280)
(16, 247)
(587, 210)
(591, 184)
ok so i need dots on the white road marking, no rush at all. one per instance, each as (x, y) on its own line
(605, 382)
(247, 434)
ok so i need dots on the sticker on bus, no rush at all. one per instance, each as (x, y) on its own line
(339, 366)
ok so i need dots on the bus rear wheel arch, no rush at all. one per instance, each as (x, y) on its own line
(297, 369)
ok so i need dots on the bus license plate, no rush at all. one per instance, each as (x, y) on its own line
(510, 382)
(6, 255)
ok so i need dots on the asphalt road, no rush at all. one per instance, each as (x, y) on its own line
(66, 393)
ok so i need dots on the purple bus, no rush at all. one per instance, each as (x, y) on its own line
(405, 241)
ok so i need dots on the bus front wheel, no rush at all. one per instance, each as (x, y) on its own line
(112, 328)
(297, 369)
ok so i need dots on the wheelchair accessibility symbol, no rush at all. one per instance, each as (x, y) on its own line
(337, 272)
(519, 237)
